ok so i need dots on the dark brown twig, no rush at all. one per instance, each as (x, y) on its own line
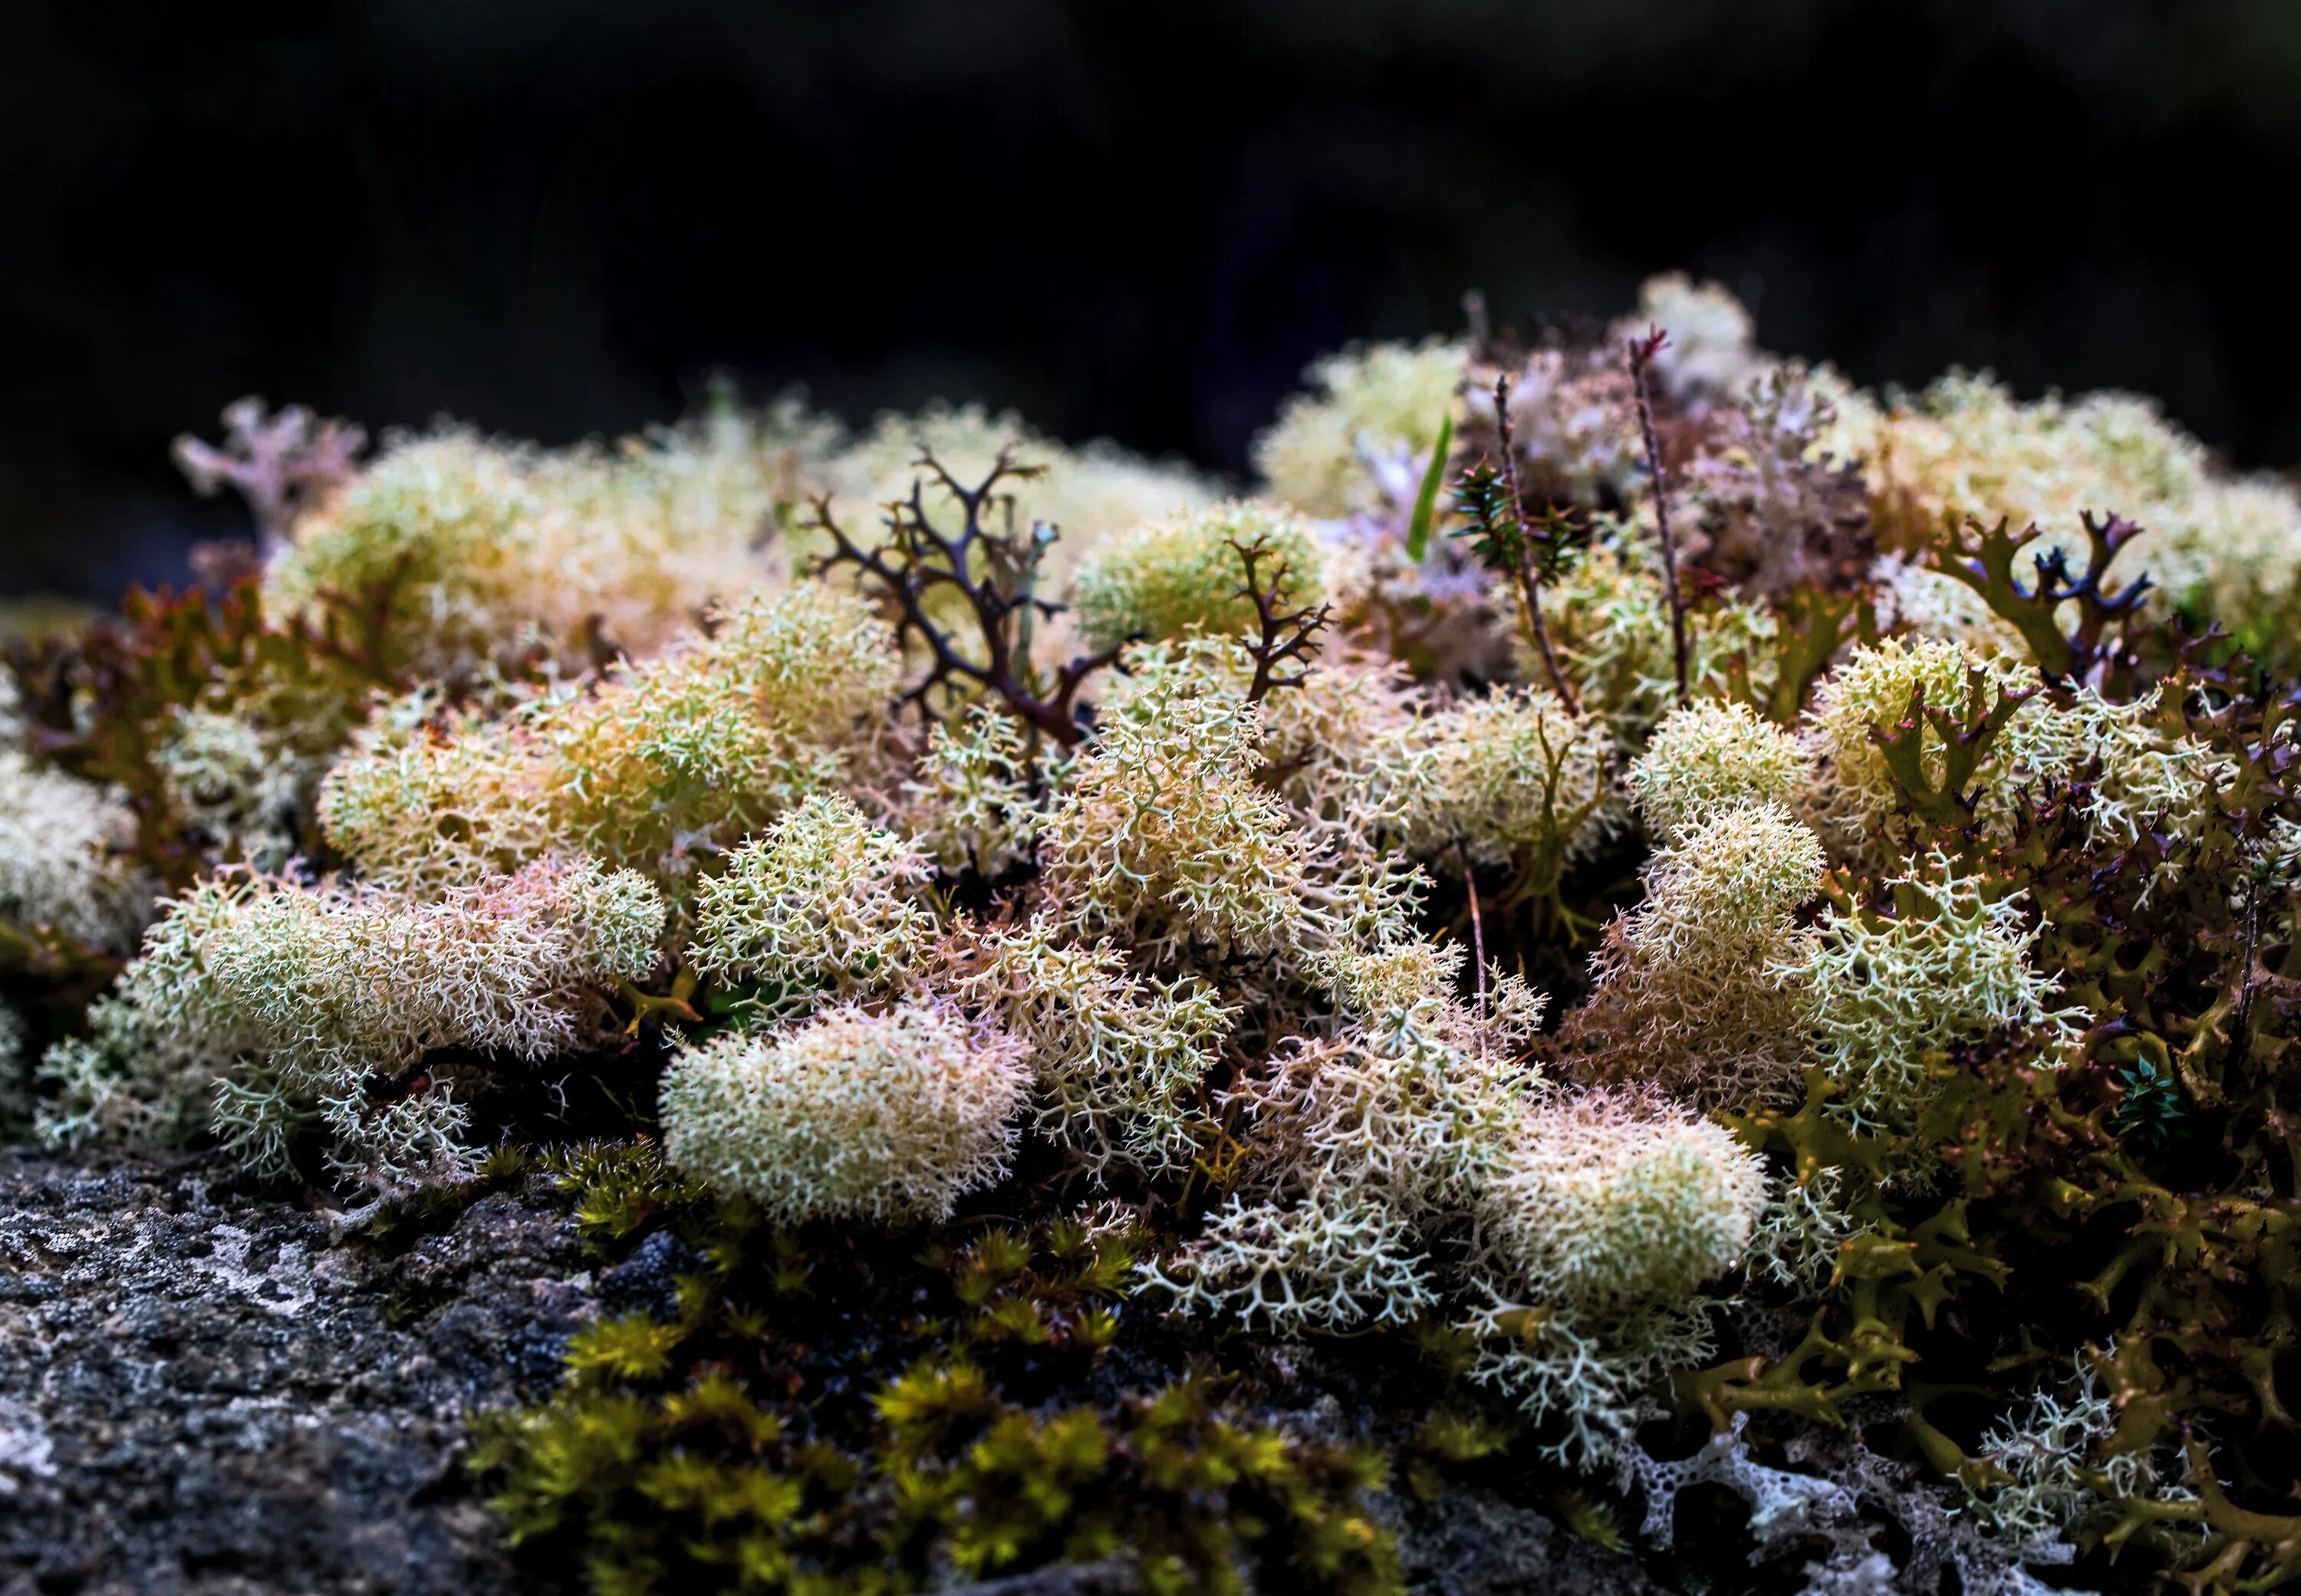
(1529, 586)
(994, 574)
(1286, 634)
(2241, 1026)
(1642, 353)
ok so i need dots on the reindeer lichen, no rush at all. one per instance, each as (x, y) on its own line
(1166, 578)
(813, 904)
(1626, 918)
(852, 1113)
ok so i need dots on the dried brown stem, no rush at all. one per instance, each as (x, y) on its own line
(1529, 587)
(1477, 926)
(1642, 353)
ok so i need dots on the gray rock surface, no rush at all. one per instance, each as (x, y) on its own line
(203, 1394)
(1472, 1543)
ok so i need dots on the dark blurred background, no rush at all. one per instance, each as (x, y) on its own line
(556, 217)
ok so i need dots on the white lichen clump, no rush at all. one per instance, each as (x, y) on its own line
(1881, 993)
(1166, 579)
(888, 1116)
(815, 904)
(60, 838)
(1162, 838)
(1709, 758)
(1604, 1203)
(285, 1003)
(1364, 405)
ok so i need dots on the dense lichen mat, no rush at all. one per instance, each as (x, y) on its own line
(1639, 932)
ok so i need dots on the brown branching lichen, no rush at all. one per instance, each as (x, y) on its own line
(992, 576)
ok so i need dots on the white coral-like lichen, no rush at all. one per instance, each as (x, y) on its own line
(1711, 337)
(1724, 894)
(1708, 756)
(256, 1118)
(701, 745)
(2139, 775)
(425, 802)
(223, 778)
(1688, 989)
(1209, 941)
(887, 1115)
(1119, 1055)
(2056, 1479)
(62, 846)
(1965, 447)
(1517, 778)
(309, 993)
(1607, 1200)
(814, 905)
(970, 805)
(2043, 1456)
(342, 984)
(452, 527)
(1932, 602)
(1332, 1261)
(1608, 617)
(657, 766)
(1345, 743)
(1588, 1379)
(1873, 690)
(158, 1041)
(1413, 987)
(1162, 836)
(1167, 579)
(1364, 405)
(1347, 746)
(1880, 993)
(1797, 1241)
(482, 553)
(1413, 1095)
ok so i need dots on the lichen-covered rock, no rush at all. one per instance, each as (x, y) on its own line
(1591, 914)
(203, 1392)
(211, 1394)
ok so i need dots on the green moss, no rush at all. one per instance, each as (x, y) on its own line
(836, 1411)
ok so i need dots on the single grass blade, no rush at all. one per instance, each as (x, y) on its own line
(1426, 503)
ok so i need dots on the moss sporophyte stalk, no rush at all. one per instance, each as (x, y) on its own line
(1637, 916)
